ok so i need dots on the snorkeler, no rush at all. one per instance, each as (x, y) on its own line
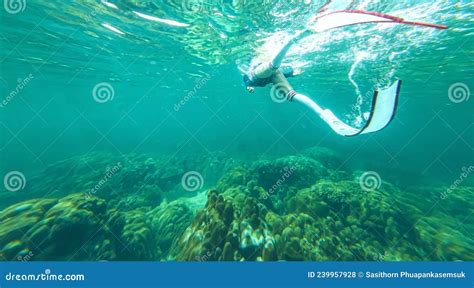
(384, 102)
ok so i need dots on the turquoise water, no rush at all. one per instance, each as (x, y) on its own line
(106, 106)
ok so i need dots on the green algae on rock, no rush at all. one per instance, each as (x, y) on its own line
(52, 229)
(292, 208)
(219, 232)
(82, 228)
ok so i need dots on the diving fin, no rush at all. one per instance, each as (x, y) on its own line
(344, 18)
(382, 112)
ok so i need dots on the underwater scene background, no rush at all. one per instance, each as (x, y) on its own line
(126, 133)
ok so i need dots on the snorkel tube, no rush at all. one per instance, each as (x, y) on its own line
(384, 102)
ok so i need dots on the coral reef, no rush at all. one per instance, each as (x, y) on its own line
(220, 232)
(82, 228)
(293, 171)
(52, 229)
(328, 220)
(292, 208)
(329, 158)
(128, 181)
(168, 222)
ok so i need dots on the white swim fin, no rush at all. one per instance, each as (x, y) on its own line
(382, 112)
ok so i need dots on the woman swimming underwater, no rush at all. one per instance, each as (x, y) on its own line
(384, 102)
